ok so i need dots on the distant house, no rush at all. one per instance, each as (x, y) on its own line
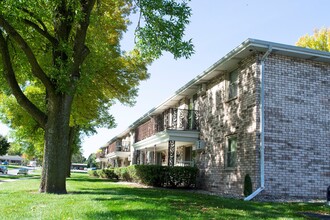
(12, 159)
(262, 110)
(78, 166)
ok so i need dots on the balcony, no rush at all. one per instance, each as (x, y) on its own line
(171, 119)
(120, 146)
(123, 146)
(178, 119)
(100, 155)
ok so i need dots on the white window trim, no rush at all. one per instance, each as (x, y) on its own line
(228, 138)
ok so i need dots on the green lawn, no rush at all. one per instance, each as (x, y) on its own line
(90, 198)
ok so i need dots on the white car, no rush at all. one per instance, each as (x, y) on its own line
(22, 171)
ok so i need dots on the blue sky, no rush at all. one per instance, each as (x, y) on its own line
(217, 27)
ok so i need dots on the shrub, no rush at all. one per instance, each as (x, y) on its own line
(123, 173)
(107, 174)
(247, 185)
(93, 173)
(180, 176)
(160, 176)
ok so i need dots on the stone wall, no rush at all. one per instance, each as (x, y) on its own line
(222, 118)
(297, 127)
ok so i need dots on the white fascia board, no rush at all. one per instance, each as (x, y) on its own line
(98, 160)
(156, 139)
(118, 154)
(165, 136)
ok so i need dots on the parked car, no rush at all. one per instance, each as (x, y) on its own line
(3, 170)
(22, 171)
(4, 163)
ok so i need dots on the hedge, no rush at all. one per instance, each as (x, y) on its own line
(151, 175)
(104, 173)
(161, 176)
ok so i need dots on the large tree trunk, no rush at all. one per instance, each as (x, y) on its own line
(56, 151)
(72, 135)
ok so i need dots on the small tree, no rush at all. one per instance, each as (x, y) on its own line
(78, 157)
(4, 145)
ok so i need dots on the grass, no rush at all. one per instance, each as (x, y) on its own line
(90, 198)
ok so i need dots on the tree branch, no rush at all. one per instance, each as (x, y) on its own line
(9, 74)
(80, 49)
(36, 68)
(41, 31)
(34, 16)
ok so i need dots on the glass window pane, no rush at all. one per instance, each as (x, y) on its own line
(233, 78)
(231, 152)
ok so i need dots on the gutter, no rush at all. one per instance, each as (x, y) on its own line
(262, 126)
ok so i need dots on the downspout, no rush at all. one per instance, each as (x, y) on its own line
(262, 127)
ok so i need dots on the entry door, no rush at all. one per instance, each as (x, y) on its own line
(187, 153)
(159, 158)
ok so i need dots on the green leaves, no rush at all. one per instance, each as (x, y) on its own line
(54, 63)
(4, 145)
(320, 40)
(162, 28)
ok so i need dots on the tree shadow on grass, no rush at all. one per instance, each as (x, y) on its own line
(90, 179)
(183, 205)
(138, 214)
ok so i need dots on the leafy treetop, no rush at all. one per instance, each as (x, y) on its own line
(320, 40)
(4, 145)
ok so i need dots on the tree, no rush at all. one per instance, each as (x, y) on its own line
(4, 145)
(14, 149)
(91, 160)
(320, 40)
(78, 157)
(64, 66)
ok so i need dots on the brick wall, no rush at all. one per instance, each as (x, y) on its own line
(145, 130)
(221, 119)
(297, 127)
(112, 147)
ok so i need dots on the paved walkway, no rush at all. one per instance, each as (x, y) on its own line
(7, 180)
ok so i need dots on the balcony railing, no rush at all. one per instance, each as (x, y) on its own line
(178, 119)
(171, 119)
(100, 154)
(123, 146)
(185, 163)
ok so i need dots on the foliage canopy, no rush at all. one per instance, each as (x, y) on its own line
(4, 145)
(320, 40)
(63, 67)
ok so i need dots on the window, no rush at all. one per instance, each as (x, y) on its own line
(231, 152)
(187, 153)
(233, 79)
